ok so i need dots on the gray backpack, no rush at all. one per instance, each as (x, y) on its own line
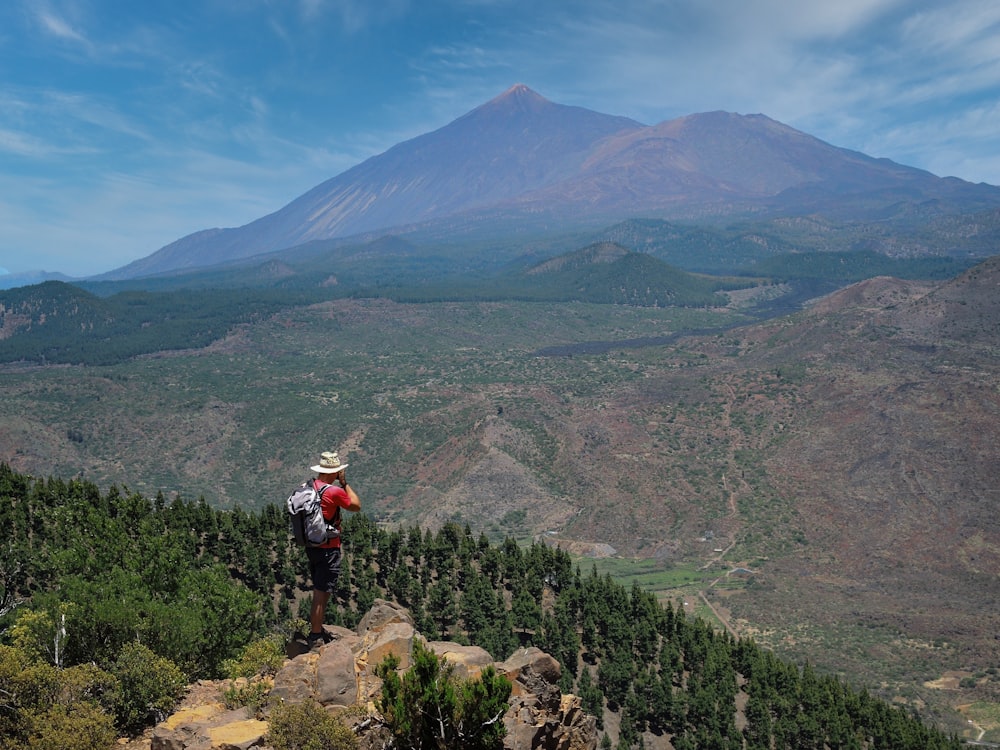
(308, 526)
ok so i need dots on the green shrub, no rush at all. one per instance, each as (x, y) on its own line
(33, 634)
(308, 726)
(429, 707)
(29, 684)
(44, 708)
(80, 726)
(88, 683)
(262, 657)
(249, 693)
(259, 659)
(27, 687)
(149, 687)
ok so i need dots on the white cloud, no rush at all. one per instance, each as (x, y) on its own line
(954, 28)
(354, 15)
(43, 125)
(58, 26)
(959, 143)
(92, 110)
(22, 144)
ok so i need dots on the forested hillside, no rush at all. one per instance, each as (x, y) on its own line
(603, 273)
(57, 322)
(109, 598)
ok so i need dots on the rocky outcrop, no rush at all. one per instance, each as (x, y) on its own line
(540, 716)
(209, 726)
(341, 674)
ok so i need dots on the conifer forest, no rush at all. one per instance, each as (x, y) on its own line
(110, 600)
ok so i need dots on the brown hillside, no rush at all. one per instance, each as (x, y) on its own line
(965, 310)
(890, 459)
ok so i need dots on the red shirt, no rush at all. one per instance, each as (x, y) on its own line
(333, 496)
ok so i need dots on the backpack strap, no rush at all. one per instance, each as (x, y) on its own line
(320, 488)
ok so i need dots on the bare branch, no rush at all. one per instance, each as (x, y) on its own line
(496, 718)
(8, 601)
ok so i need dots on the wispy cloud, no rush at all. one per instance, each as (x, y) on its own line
(46, 124)
(23, 144)
(59, 27)
(354, 15)
(116, 216)
(92, 110)
(968, 28)
(961, 143)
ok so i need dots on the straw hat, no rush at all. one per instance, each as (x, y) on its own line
(329, 463)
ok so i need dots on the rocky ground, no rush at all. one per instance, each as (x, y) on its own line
(340, 676)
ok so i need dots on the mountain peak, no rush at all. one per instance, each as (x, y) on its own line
(517, 97)
(520, 92)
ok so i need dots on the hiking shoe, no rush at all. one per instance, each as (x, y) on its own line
(316, 640)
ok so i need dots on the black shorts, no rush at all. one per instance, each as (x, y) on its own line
(324, 567)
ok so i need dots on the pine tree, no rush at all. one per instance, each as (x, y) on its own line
(441, 606)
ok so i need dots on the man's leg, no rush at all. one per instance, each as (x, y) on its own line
(318, 610)
(325, 569)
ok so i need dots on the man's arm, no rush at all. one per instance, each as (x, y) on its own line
(355, 503)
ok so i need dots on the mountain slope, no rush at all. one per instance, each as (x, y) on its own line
(520, 159)
(602, 273)
(515, 143)
(887, 460)
(964, 311)
(53, 304)
(718, 158)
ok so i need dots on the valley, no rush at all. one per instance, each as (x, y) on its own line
(822, 482)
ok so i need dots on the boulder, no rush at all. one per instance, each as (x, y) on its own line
(469, 661)
(381, 614)
(336, 677)
(237, 735)
(530, 724)
(296, 681)
(392, 638)
(533, 664)
(327, 675)
(208, 727)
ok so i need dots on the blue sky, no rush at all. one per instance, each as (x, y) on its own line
(125, 125)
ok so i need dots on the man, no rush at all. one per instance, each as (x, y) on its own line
(324, 562)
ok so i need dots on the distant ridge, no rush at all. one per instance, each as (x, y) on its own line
(520, 158)
(13, 280)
